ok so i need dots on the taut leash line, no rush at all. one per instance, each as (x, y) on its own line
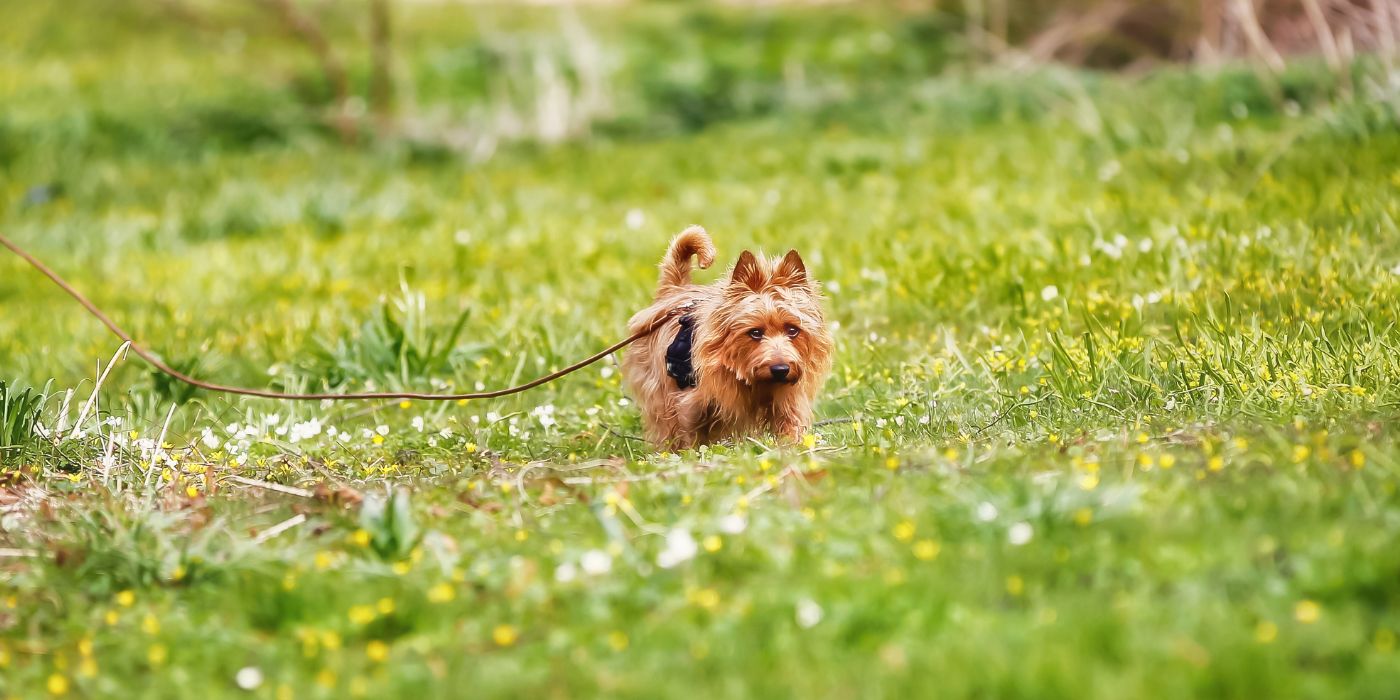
(160, 365)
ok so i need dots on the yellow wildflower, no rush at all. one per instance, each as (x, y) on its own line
(442, 593)
(1307, 612)
(707, 598)
(1015, 585)
(504, 635)
(361, 614)
(927, 550)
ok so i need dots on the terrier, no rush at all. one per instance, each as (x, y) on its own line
(746, 354)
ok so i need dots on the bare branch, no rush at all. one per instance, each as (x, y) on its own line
(381, 78)
(305, 28)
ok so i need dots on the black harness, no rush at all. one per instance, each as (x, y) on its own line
(678, 364)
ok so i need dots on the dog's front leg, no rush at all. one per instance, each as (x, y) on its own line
(791, 418)
(694, 421)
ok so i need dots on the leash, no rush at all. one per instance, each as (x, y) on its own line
(166, 369)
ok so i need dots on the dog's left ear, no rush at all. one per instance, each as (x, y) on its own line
(790, 272)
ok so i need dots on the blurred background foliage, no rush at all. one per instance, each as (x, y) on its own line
(441, 79)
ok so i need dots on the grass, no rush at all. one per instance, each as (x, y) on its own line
(1113, 411)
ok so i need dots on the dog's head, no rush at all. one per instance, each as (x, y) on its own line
(768, 328)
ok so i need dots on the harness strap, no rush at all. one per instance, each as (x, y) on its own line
(679, 363)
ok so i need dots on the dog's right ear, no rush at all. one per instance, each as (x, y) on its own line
(790, 272)
(747, 274)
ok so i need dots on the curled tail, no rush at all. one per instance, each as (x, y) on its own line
(675, 267)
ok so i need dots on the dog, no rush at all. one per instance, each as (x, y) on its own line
(744, 355)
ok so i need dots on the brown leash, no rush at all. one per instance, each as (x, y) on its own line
(156, 362)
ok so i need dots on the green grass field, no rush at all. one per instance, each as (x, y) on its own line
(1113, 411)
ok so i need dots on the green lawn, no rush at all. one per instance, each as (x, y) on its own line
(1113, 414)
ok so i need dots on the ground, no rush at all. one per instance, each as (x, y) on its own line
(1113, 409)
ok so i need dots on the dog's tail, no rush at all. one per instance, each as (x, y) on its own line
(675, 267)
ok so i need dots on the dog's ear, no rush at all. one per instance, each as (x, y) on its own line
(747, 273)
(790, 272)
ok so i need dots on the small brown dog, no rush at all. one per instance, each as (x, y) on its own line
(744, 354)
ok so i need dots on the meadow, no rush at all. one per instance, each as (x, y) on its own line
(1113, 411)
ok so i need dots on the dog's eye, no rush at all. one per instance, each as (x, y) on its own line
(793, 331)
(756, 333)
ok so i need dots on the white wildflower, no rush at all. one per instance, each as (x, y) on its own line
(680, 547)
(565, 572)
(1020, 533)
(732, 524)
(545, 415)
(248, 678)
(596, 562)
(305, 430)
(808, 613)
(986, 512)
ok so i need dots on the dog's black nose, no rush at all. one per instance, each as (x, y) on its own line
(780, 372)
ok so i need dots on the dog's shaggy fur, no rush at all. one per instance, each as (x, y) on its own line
(760, 351)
